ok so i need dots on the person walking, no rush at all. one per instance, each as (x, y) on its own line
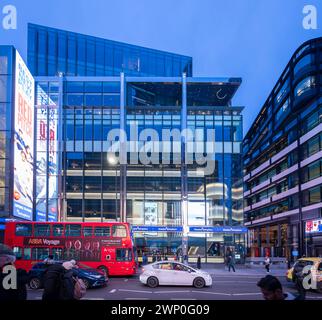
(267, 263)
(199, 262)
(231, 261)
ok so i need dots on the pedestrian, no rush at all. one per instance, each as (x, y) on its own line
(154, 258)
(59, 281)
(144, 259)
(165, 258)
(18, 292)
(199, 262)
(231, 261)
(267, 263)
(272, 289)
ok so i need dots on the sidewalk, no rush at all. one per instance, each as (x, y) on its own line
(245, 270)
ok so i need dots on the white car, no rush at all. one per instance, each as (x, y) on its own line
(174, 273)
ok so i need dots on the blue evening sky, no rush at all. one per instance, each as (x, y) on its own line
(252, 39)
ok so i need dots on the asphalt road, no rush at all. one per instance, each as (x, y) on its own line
(233, 286)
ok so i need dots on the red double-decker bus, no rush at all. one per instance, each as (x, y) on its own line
(104, 246)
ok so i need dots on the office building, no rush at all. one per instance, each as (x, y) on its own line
(282, 162)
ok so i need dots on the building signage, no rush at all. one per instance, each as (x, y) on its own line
(156, 229)
(191, 229)
(313, 226)
(23, 141)
(226, 229)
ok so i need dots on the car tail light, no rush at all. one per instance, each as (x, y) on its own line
(142, 269)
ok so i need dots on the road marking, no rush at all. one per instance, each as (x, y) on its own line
(139, 291)
(313, 298)
(94, 299)
(182, 299)
(246, 294)
(136, 298)
(112, 291)
(126, 280)
(216, 293)
(182, 291)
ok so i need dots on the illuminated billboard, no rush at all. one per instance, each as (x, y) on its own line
(46, 158)
(23, 141)
(313, 226)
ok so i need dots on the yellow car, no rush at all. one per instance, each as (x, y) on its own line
(295, 273)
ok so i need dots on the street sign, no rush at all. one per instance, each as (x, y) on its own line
(295, 253)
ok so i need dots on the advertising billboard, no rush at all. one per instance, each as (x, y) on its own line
(46, 158)
(23, 141)
(150, 213)
(313, 226)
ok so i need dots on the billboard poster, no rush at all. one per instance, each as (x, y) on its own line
(23, 141)
(47, 157)
(150, 213)
(313, 226)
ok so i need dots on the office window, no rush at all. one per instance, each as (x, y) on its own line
(303, 62)
(304, 86)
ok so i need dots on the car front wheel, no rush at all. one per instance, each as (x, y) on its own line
(152, 282)
(34, 283)
(199, 283)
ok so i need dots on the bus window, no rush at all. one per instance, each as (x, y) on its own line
(18, 252)
(26, 253)
(23, 230)
(57, 253)
(73, 230)
(42, 230)
(102, 232)
(123, 255)
(39, 253)
(87, 231)
(119, 231)
(58, 230)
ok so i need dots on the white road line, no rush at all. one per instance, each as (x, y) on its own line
(136, 298)
(112, 291)
(314, 298)
(183, 291)
(126, 280)
(139, 291)
(94, 299)
(215, 293)
(182, 299)
(246, 294)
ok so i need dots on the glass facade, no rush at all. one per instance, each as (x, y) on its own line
(52, 52)
(92, 184)
(282, 153)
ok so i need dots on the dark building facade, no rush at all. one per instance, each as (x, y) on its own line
(52, 52)
(282, 156)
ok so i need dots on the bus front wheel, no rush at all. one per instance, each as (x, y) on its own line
(104, 270)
